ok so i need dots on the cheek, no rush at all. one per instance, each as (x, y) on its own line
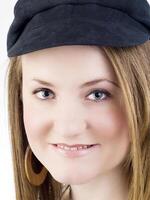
(36, 122)
(111, 130)
(109, 123)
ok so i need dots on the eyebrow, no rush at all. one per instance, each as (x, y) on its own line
(86, 84)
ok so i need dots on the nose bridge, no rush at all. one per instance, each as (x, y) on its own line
(70, 119)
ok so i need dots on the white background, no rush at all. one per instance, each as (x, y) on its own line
(7, 191)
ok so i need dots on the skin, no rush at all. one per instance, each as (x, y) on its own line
(71, 114)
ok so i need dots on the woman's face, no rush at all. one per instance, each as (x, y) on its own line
(59, 106)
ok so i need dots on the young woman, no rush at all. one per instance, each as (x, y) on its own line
(79, 112)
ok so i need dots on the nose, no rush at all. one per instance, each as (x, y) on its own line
(70, 128)
(70, 123)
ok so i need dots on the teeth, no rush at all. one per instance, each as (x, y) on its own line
(72, 148)
(61, 146)
(85, 147)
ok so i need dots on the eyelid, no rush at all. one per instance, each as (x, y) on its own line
(98, 89)
(41, 89)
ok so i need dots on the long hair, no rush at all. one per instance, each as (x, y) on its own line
(132, 68)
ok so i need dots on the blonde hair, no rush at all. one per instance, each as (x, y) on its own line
(132, 68)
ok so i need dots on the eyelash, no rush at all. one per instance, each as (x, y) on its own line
(107, 94)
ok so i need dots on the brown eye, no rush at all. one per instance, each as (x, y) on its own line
(99, 95)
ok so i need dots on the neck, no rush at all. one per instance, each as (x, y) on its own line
(104, 187)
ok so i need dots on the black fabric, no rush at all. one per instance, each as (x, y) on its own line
(40, 24)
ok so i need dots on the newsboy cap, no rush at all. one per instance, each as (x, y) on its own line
(40, 24)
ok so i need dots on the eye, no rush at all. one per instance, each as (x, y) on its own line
(99, 95)
(43, 93)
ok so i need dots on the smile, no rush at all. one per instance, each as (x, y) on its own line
(73, 147)
(74, 150)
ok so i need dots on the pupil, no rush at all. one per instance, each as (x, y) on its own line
(46, 93)
(97, 94)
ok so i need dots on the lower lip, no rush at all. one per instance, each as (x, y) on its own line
(75, 153)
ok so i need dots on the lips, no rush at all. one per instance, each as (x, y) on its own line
(73, 147)
(74, 151)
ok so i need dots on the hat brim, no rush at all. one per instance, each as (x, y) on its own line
(108, 27)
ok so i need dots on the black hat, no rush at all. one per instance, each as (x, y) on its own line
(40, 24)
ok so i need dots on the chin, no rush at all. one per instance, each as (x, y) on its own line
(71, 180)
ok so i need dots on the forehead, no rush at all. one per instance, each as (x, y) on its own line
(70, 60)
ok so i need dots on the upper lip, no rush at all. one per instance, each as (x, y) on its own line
(74, 145)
